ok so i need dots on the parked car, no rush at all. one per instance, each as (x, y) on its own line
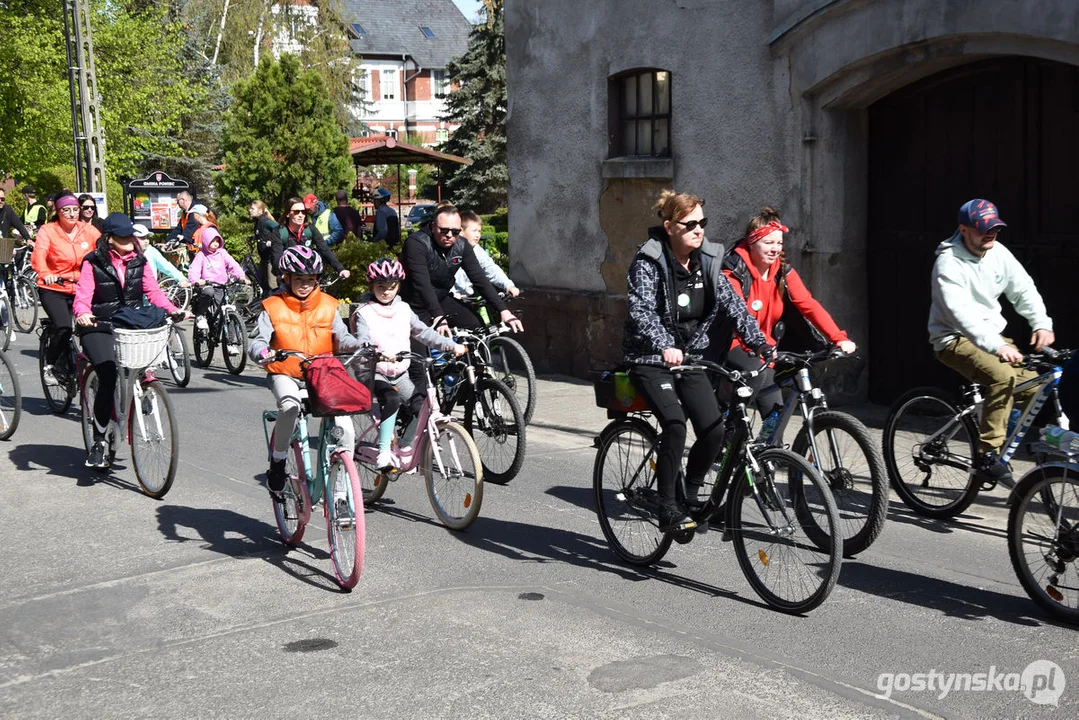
(418, 215)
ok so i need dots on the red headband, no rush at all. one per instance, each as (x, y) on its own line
(758, 234)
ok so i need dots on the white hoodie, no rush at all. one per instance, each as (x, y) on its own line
(966, 291)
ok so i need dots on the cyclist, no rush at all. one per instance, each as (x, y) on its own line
(303, 319)
(471, 230)
(676, 291)
(114, 275)
(212, 264)
(265, 228)
(88, 211)
(185, 224)
(971, 272)
(9, 220)
(154, 259)
(757, 270)
(59, 250)
(294, 232)
(387, 322)
(36, 215)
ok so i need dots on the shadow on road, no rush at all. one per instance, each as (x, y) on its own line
(899, 513)
(234, 380)
(238, 536)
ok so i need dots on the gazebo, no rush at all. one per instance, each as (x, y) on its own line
(385, 150)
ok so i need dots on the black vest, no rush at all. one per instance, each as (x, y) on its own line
(443, 268)
(108, 295)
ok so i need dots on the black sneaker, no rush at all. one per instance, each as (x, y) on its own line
(674, 519)
(98, 457)
(276, 477)
(992, 471)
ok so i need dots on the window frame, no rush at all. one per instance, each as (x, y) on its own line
(440, 83)
(384, 86)
(618, 117)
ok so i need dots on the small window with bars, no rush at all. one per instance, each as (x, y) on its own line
(640, 114)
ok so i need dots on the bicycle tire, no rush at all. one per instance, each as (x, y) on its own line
(87, 394)
(625, 492)
(177, 294)
(510, 363)
(1034, 534)
(918, 414)
(293, 514)
(233, 342)
(178, 357)
(346, 532)
(7, 326)
(58, 396)
(455, 491)
(24, 305)
(372, 482)
(859, 484)
(782, 553)
(204, 348)
(158, 433)
(494, 419)
(10, 398)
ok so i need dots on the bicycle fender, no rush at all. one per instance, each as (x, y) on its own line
(1061, 464)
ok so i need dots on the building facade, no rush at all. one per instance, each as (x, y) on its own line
(866, 122)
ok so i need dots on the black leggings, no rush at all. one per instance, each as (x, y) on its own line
(663, 390)
(97, 345)
(767, 397)
(58, 307)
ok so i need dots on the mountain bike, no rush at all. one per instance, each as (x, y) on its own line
(931, 442)
(142, 412)
(779, 512)
(225, 328)
(330, 476)
(839, 446)
(1043, 531)
(492, 414)
(10, 398)
(452, 469)
(506, 358)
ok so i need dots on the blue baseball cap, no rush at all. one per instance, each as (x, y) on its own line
(981, 215)
(382, 194)
(118, 224)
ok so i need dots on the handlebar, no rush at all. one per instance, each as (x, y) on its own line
(1047, 357)
(808, 358)
(697, 363)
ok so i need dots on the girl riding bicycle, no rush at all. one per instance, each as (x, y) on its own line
(386, 321)
(303, 319)
(114, 275)
(212, 264)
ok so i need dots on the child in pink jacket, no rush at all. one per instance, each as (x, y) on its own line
(212, 264)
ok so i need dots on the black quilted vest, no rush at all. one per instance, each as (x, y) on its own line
(109, 296)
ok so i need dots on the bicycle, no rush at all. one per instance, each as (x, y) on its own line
(225, 328)
(839, 446)
(177, 294)
(492, 414)
(21, 289)
(507, 359)
(453, 472)
(930, 442)
(60, 390)
(178, 356)
(142, 412)
(776, 527)
(331, 477)
(10, 398)
(7, 328)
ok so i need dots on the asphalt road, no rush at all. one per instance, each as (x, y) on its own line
(115, 605)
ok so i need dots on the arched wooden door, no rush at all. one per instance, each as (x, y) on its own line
(1005, 129)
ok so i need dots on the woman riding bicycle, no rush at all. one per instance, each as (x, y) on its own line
(265, 227)
(61, 245)
(758, 271)
(676, 292)
(114, 275)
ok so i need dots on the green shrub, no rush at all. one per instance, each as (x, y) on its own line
(497, 237)
(237, 232)
(356, 255)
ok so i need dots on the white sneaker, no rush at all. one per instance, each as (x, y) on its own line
(201, 324)
(384, 460)
(49, 376)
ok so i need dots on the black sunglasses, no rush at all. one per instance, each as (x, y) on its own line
(89, 207)
(448, 231)
(692, 224)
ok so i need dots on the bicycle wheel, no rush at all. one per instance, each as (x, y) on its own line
(7, 325)
(155, 439)
(58, 392)
(24, 305)
(627, 499)
(454, 476)
(204, 348)
(929, 451)
(233, 342)
(1043, 539)
(789, 571)
(852, 467)
(345, 520)
(509, 362)
(88, 391)
(294, 512)
(10, 398)
(178, 357)
(372, 482)
(177, 294)
(494, 420)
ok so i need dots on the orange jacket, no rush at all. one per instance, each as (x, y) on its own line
(302, 325)
(57, 254)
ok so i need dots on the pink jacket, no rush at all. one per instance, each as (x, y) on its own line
(84, 289)
(213, 265)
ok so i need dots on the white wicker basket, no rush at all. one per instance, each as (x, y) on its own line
(139, 348)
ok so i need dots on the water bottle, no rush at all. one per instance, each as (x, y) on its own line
(1013, 420)
(440, 359)
(449, 384)
(768, 426)
(1066, 440)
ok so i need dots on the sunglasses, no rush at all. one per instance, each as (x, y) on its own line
(692, 224)
(2, 197)
(89, 207)
(448, 231)
(297, 212)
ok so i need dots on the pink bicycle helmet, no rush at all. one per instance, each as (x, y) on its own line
(385, 270)
(300, 260)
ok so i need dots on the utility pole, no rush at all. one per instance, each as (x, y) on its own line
(86, 132)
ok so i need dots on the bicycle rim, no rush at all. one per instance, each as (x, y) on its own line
(497, 425)
(1043, 539)
(24, 310)
(10, 398)
(345, 520)
(293, 513)
(155, 439)
(179, 358)
(787, 570)
(454, 476)
(204, 349)
(58, 396)
(627, 500)
(234, 343)
(510, 363)
(373, 484)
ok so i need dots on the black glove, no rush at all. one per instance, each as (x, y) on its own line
(767, 352)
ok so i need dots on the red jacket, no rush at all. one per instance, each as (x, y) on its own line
(765, 302)
(57, 254)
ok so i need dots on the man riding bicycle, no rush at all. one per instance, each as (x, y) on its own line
(970, 274)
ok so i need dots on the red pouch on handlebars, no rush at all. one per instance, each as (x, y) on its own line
(332, 391)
